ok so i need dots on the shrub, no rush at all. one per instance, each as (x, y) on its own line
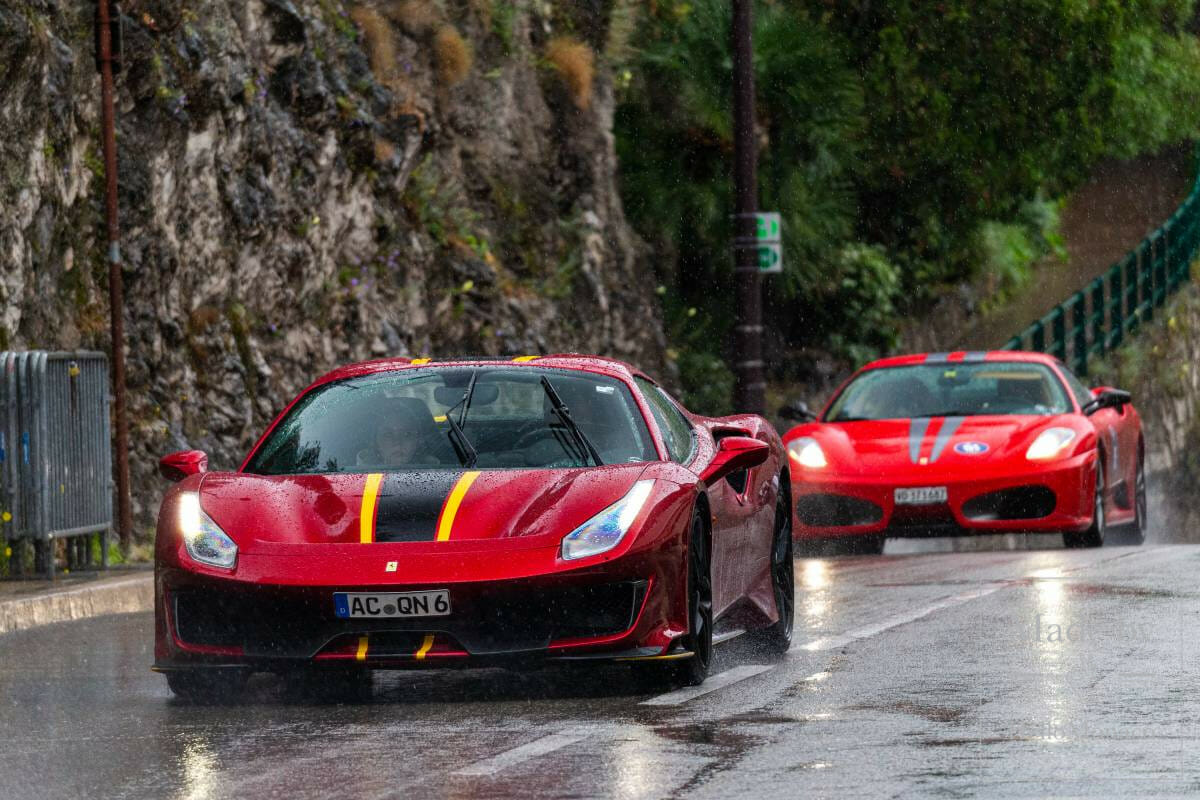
(453, 56)
(576, 63)
(417, 17)
(381, 46)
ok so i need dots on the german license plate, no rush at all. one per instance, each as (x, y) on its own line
(921, 496)
(391, 605)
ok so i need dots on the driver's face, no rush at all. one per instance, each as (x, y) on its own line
(396, 441)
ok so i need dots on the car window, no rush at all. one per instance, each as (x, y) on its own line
(951, 390)
(398, 420)
(676, 429)
(1083, 395)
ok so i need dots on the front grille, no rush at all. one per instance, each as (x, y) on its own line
(830, 510)
(1021, 502)
(284, 622)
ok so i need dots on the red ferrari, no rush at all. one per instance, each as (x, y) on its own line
(405, 513)
(961, 443)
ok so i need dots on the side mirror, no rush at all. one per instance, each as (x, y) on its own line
(797, 411)
(177, 466)
(1106, 397)
(735, 453)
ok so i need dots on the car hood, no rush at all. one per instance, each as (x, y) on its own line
(938, 446)
(264, 511)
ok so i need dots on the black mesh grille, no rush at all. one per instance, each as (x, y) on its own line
(1022, 502)
(829, 510)
(285, 622)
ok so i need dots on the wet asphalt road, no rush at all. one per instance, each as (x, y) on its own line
(1032, 673)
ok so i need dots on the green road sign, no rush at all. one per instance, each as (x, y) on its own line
(767, 227)
(770, 257)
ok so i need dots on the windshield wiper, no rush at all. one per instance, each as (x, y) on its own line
(564, 414)
(463, 448)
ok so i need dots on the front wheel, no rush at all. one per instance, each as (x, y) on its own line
(693, 670)
(777, 638)
(1093, 536)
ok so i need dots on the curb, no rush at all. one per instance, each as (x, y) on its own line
(125, 596)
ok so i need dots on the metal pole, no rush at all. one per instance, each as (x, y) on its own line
(750, 389)
(116, 290)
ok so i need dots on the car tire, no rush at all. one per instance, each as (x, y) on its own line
(208, 686)
(1141, 507)
(777, 637)
(1093, 536)
(693, 670)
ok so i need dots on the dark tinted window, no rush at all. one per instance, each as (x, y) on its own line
(676, 430)
(1082, 394)
(951, 390)
(397, 421)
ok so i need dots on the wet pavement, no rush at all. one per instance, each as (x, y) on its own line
(1031, 673)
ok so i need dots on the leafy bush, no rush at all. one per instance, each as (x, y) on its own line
(921, 136)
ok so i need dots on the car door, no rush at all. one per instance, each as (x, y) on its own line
(680, 437)
(1117, 441)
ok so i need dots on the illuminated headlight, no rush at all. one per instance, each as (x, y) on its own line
(605, 531)
(203, 538)
(1050, 443)
(806, 452)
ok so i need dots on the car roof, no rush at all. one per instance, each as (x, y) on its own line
(575, 361)
(963, 357)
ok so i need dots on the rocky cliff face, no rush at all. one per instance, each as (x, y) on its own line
(306, 183)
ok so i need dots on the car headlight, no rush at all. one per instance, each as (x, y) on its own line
(806, 452)
(203, 538)
(1050, 443)
(605, 531)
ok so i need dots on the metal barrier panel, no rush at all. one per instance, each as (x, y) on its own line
(55, 463)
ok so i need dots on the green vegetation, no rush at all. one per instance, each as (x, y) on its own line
(909, 145)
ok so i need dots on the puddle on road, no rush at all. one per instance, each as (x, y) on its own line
(930, 712)
(1103, 589)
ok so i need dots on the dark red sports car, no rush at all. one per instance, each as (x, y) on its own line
(969, 442)
(414, 513)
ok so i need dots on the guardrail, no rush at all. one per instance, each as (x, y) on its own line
(1097, 318)
(55, 462)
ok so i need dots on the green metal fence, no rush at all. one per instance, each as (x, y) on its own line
(1097, 318)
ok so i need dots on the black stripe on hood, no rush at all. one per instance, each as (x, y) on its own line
(410, 504)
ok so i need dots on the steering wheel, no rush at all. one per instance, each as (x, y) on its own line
(529, 438)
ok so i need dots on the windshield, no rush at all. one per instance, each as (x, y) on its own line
(950, 390)
(399, 421)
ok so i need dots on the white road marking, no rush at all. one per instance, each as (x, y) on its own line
(834, 642)
(718, 681)
(538, 747)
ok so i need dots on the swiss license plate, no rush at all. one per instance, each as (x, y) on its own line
(921, 496)
(391, 605)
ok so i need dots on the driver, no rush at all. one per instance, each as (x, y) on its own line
(405, 435)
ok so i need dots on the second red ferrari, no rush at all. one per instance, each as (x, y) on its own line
(969, 442)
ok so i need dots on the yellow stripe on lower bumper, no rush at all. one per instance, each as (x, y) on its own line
(361, 655)
(370, 500)
(426, 646)
(453, 501)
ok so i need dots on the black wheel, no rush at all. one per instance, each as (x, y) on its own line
(1093, 536)
(699, 640)
(208, 686)
(778, 637)
(329, 684)
(1140, 505)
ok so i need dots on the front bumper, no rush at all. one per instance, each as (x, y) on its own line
(620, 610)
(1044, 499)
